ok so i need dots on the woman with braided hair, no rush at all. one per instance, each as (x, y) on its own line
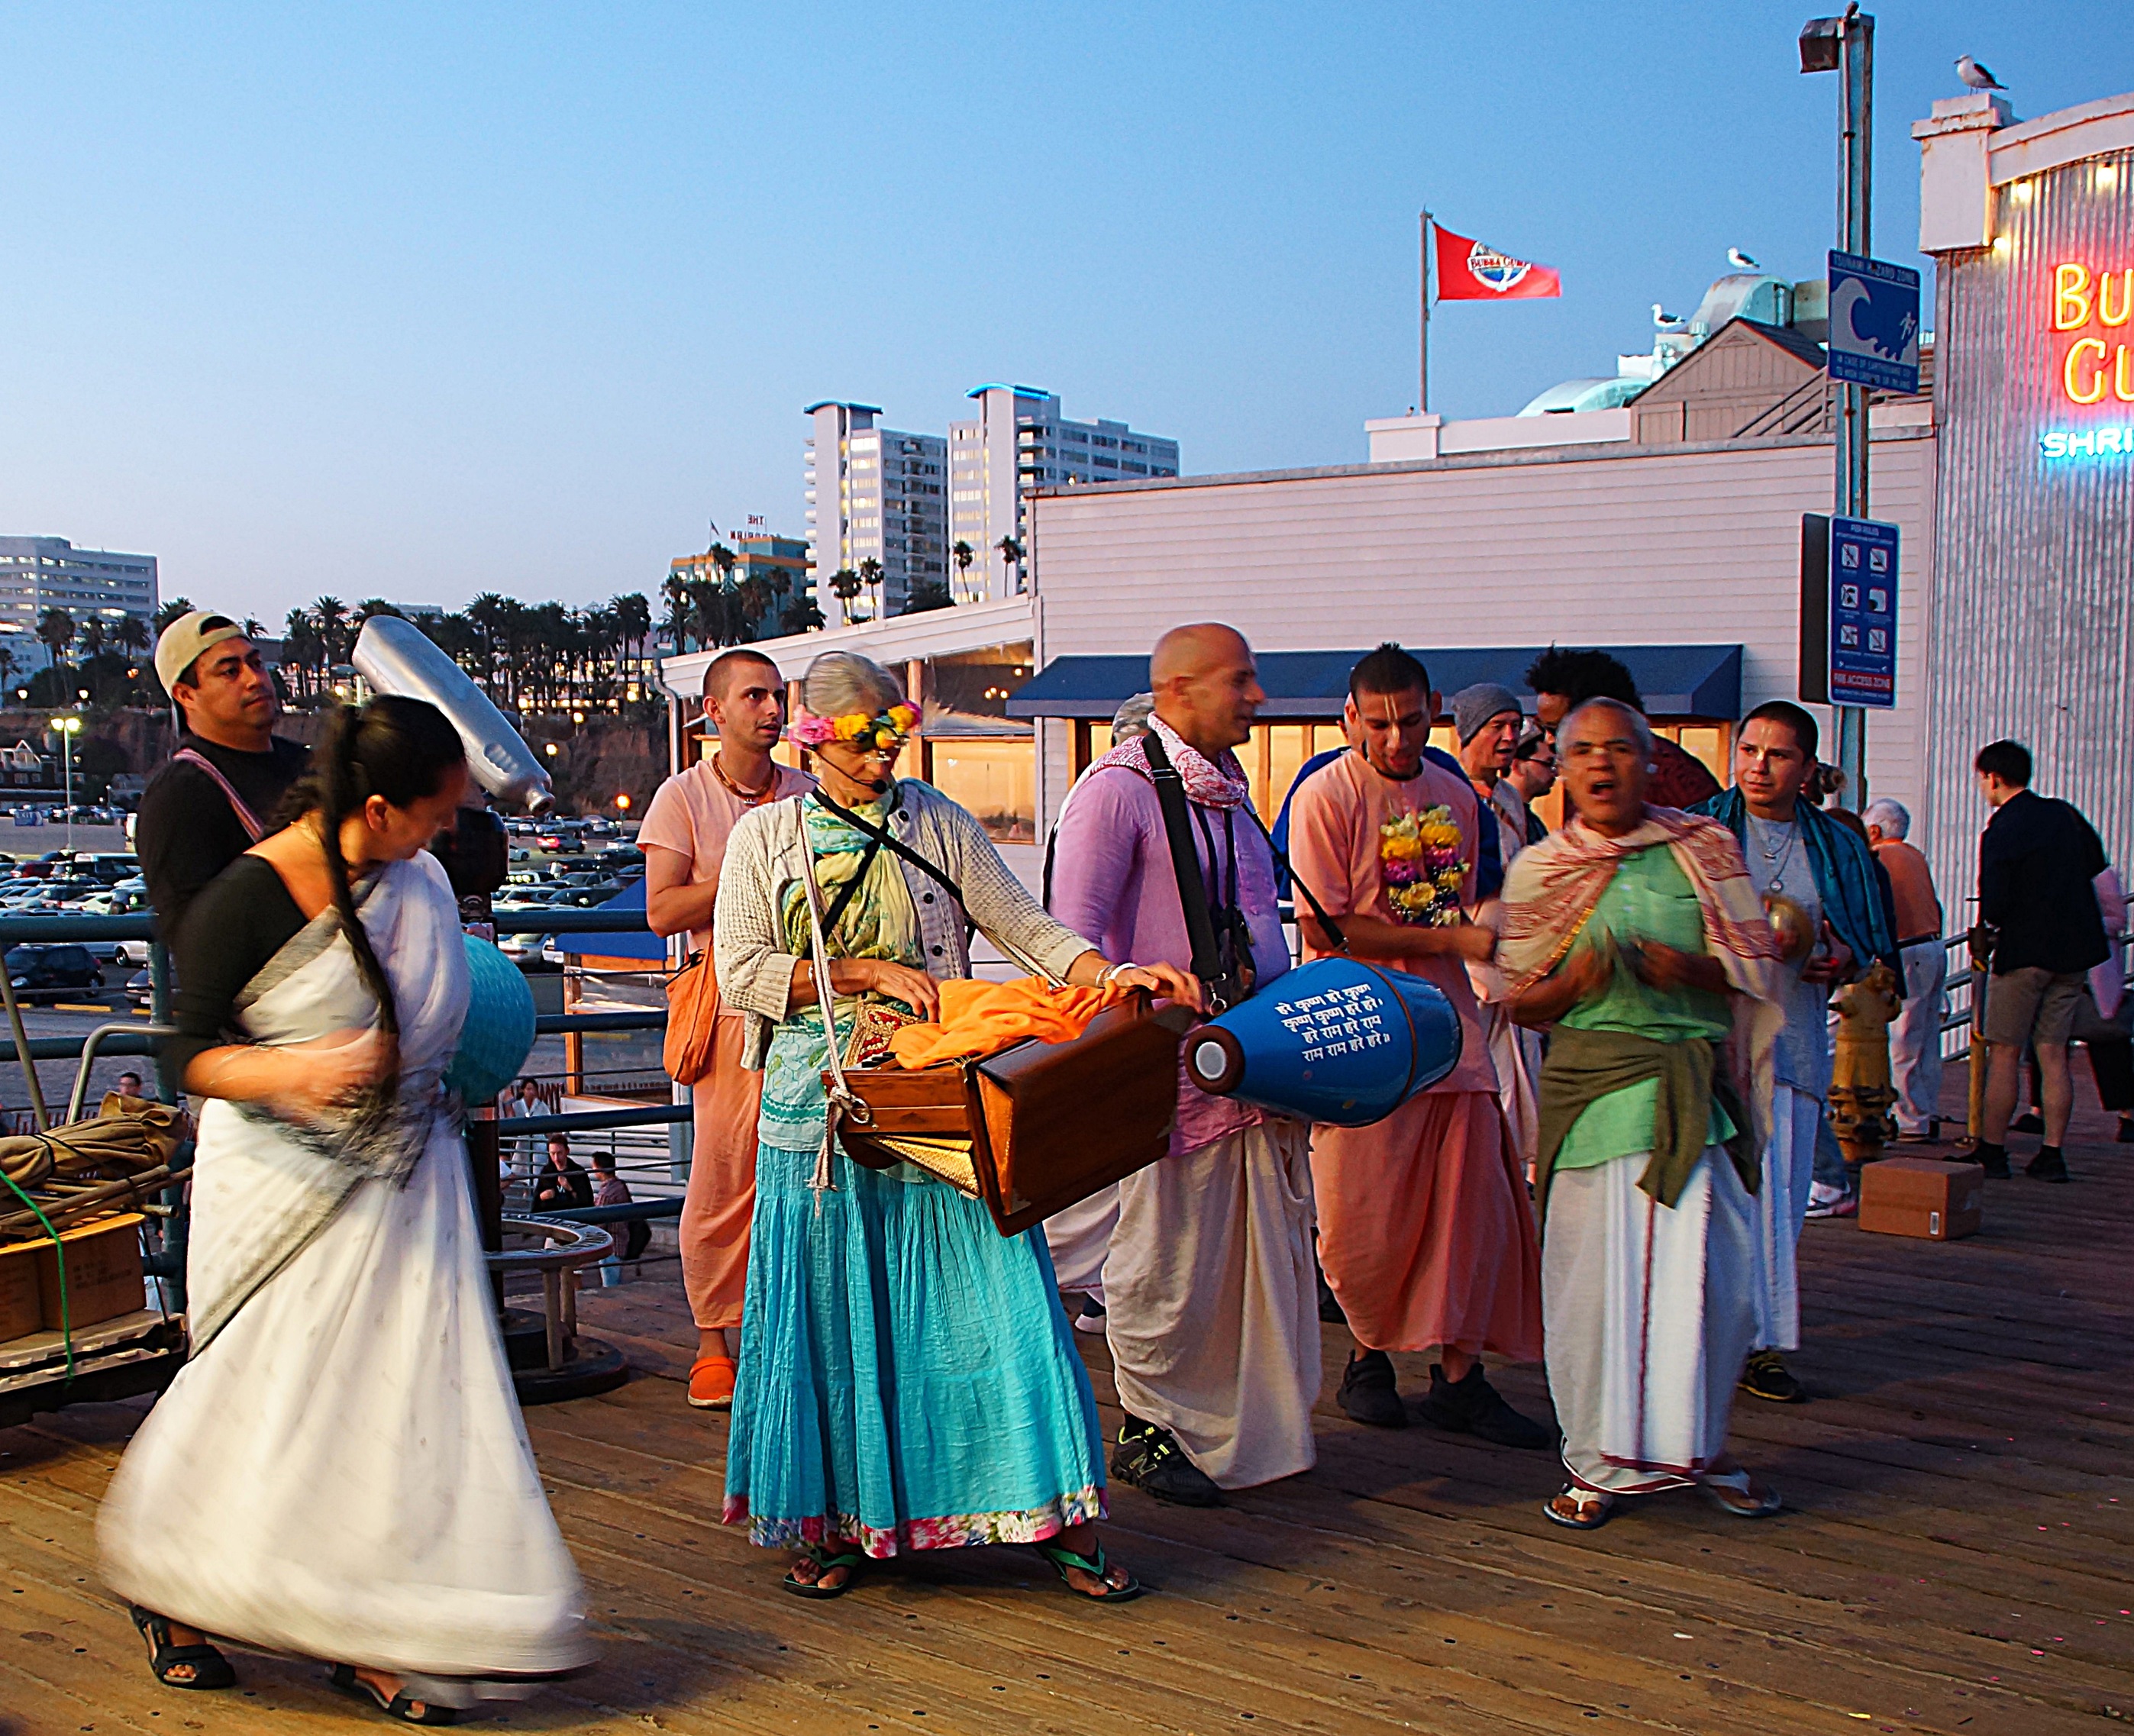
(340, 1471)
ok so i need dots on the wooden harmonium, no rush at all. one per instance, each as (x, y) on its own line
(1036, 1127)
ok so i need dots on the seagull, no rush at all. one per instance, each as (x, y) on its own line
(1975, 75)
(1662, 317)
(1740, 261)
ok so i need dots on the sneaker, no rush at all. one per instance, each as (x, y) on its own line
(2029, 1121)
(1993, 1159)
(2125, 1135)
(1329, 1305)
(1368, 1393)
(1149, 1458)
(1824, 1202)
(1472, 1405)
(1766, 1377)
(1091, 1318)
(2048, 1165)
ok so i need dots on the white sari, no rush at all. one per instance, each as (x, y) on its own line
(340, 1470)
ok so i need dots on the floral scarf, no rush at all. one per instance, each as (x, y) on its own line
(879, 921)
(1218, 783)
(1551, 890)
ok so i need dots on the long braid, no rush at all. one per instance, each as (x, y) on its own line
(346, 789)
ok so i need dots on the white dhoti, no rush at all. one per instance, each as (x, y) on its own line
(1916, 1036)
(1515, 1051)
(1649, 1316)
(1781, 1207)
(1213, 1311)
(1080, 1238)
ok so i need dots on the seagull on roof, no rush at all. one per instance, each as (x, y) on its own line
(1661, 316)
(1740, 261)
(1975, 75)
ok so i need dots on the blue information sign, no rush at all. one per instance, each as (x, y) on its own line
(1874, 323)
(1863, 613)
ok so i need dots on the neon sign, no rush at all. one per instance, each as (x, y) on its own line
(2094, 366)
(2087, 443)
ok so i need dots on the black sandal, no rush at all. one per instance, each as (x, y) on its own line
(210, 1668)
(1063, 1558)
(850, 1559)
(402, 1705)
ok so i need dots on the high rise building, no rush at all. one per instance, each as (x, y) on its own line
(874, 494)
(1019, 441)
(37, 573)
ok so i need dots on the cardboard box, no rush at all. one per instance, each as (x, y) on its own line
(102, 1272)
(21, 1305)
(1923, 1197)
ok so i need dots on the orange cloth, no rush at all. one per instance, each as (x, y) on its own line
(721, 1201)
(983, 1018)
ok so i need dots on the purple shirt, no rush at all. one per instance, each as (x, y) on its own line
(1112, 882)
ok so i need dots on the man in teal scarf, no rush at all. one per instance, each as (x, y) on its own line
(1796, 851)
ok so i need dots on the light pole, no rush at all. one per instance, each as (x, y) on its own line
(1846, 45)
(67, 728)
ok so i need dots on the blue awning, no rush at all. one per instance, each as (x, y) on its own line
(640, 944)
(1679, 683)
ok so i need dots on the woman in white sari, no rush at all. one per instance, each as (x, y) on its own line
(340, 1471)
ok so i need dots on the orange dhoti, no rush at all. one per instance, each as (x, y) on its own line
(721, 1196)
(1425, 1233)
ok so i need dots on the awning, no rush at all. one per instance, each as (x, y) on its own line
(1679, 682)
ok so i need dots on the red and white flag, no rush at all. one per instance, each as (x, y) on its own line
(1468, 271)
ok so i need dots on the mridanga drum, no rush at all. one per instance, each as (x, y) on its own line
(1336, 1040)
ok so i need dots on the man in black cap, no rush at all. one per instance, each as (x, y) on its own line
(216, 797)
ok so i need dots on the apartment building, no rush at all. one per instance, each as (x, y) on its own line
(37, 573)
(874, 494)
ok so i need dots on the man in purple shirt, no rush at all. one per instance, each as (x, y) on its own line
(1213, 1311)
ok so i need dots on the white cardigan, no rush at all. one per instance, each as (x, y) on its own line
(764, 857)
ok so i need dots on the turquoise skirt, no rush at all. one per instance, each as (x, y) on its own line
(908, 1379)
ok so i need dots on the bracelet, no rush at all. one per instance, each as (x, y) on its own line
(1104, 977)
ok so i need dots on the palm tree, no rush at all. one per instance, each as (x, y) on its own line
(171, 611)
(870, 576)
(331, 616)
(90, 637)
(1011, 552)
(962, 554)
(7, 663)
(55, 629)
(844, 586)
(675, 594)
(131, 633)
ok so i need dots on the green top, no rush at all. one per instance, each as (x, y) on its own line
(1649, 898)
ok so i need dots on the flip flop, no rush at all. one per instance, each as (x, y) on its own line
(1596, 1502)
(851, 1560)
(210, 1668)
(401, 1707)
(1713, 1482)
(1063, 1558)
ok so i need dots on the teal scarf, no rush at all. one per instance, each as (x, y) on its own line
(1855, 890)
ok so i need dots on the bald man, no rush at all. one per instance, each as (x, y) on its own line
(684, 841)
(1212, 1312)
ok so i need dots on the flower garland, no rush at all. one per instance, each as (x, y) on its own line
(1419, 858)
(886, 730)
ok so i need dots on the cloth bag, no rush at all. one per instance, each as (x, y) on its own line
(693, 1017)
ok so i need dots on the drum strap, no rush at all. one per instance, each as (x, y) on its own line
(1184, 860)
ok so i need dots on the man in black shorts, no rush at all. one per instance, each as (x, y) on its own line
(2038, 863)
(218, 794)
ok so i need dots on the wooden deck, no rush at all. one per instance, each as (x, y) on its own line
(1955, 1556)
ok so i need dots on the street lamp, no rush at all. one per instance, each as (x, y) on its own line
(67, 728)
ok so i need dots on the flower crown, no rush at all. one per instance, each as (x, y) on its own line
(886, 729)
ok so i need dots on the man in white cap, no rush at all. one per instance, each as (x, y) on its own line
(216, 795)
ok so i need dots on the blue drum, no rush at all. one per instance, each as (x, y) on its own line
(499, 1032)
(1336, 1040)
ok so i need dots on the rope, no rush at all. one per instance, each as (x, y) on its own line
(58, 1254)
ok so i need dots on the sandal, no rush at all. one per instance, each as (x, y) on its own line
(1589, 1508)
(1718, 1485)
(402, 1705)
(1063, 1559)
(850, 1559)
(210, 1668)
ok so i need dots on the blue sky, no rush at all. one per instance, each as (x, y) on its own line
(423, 301)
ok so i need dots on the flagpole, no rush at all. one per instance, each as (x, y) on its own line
(1422, 345)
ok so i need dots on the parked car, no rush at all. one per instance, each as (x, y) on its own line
(140, 990)
(38, 970)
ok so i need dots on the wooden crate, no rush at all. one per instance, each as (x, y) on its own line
(21, 1305)
(103, 1271)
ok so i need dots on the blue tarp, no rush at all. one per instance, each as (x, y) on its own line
(639, 945)
(1679, 683)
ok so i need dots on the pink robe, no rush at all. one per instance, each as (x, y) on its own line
(693, 814)
(1425, 1233)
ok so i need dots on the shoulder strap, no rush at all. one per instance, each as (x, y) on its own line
(1296, 879)
(1185, 859)
(245, 816)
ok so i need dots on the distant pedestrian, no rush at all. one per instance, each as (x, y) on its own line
(1486, 721)
(1532, 776)
(1563, 679)
(563, 1184)
(2038, 863)
(610, 1190)
(129, 1085)
(1915, 1038)
(522, 1104)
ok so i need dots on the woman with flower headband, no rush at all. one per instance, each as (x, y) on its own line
(908, 1380)
(1424, 1231)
